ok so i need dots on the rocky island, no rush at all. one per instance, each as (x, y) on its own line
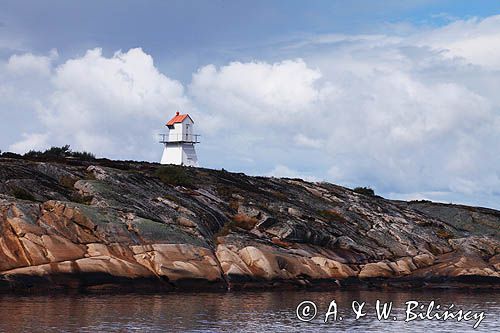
(93, 225)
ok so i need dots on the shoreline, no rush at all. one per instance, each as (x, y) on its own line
(154, 286)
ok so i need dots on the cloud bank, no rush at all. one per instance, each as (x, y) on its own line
(108, 105)
(414, 116)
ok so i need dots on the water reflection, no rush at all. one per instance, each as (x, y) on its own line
(231, 312)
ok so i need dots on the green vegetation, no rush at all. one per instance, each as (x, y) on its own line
(22, 194)
(10, 155)
(174, 175)
(59, 153)
(420, 201)
(365, 191)
(83, 155)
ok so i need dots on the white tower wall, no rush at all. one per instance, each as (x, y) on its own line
(189, 157)
(171, 155)
(180, 154)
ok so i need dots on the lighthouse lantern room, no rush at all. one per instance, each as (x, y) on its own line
(179, 142)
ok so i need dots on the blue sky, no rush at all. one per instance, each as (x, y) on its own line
(397, 95)
(183, 35)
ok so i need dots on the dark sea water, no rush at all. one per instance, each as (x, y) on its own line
(236, 312)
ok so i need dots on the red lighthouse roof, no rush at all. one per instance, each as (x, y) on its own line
(178, 118)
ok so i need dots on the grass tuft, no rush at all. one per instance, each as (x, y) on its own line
(174, 175)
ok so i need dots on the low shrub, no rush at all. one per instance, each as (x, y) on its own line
(83, 155)
(10, 155)
(420, 201)
(365, 191)
(59, 153)
(174, 175)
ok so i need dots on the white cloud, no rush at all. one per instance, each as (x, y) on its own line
(415, 115)
(476, 40)
(33, 141)
(31, 64)
(107, 105)
(306, 141)
(256, 92)
(403, 115)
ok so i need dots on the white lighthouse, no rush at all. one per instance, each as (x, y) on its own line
(179, 142)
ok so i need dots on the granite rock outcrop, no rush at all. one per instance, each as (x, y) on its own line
(103, 224)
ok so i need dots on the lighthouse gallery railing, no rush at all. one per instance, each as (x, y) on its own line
(177, 137)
